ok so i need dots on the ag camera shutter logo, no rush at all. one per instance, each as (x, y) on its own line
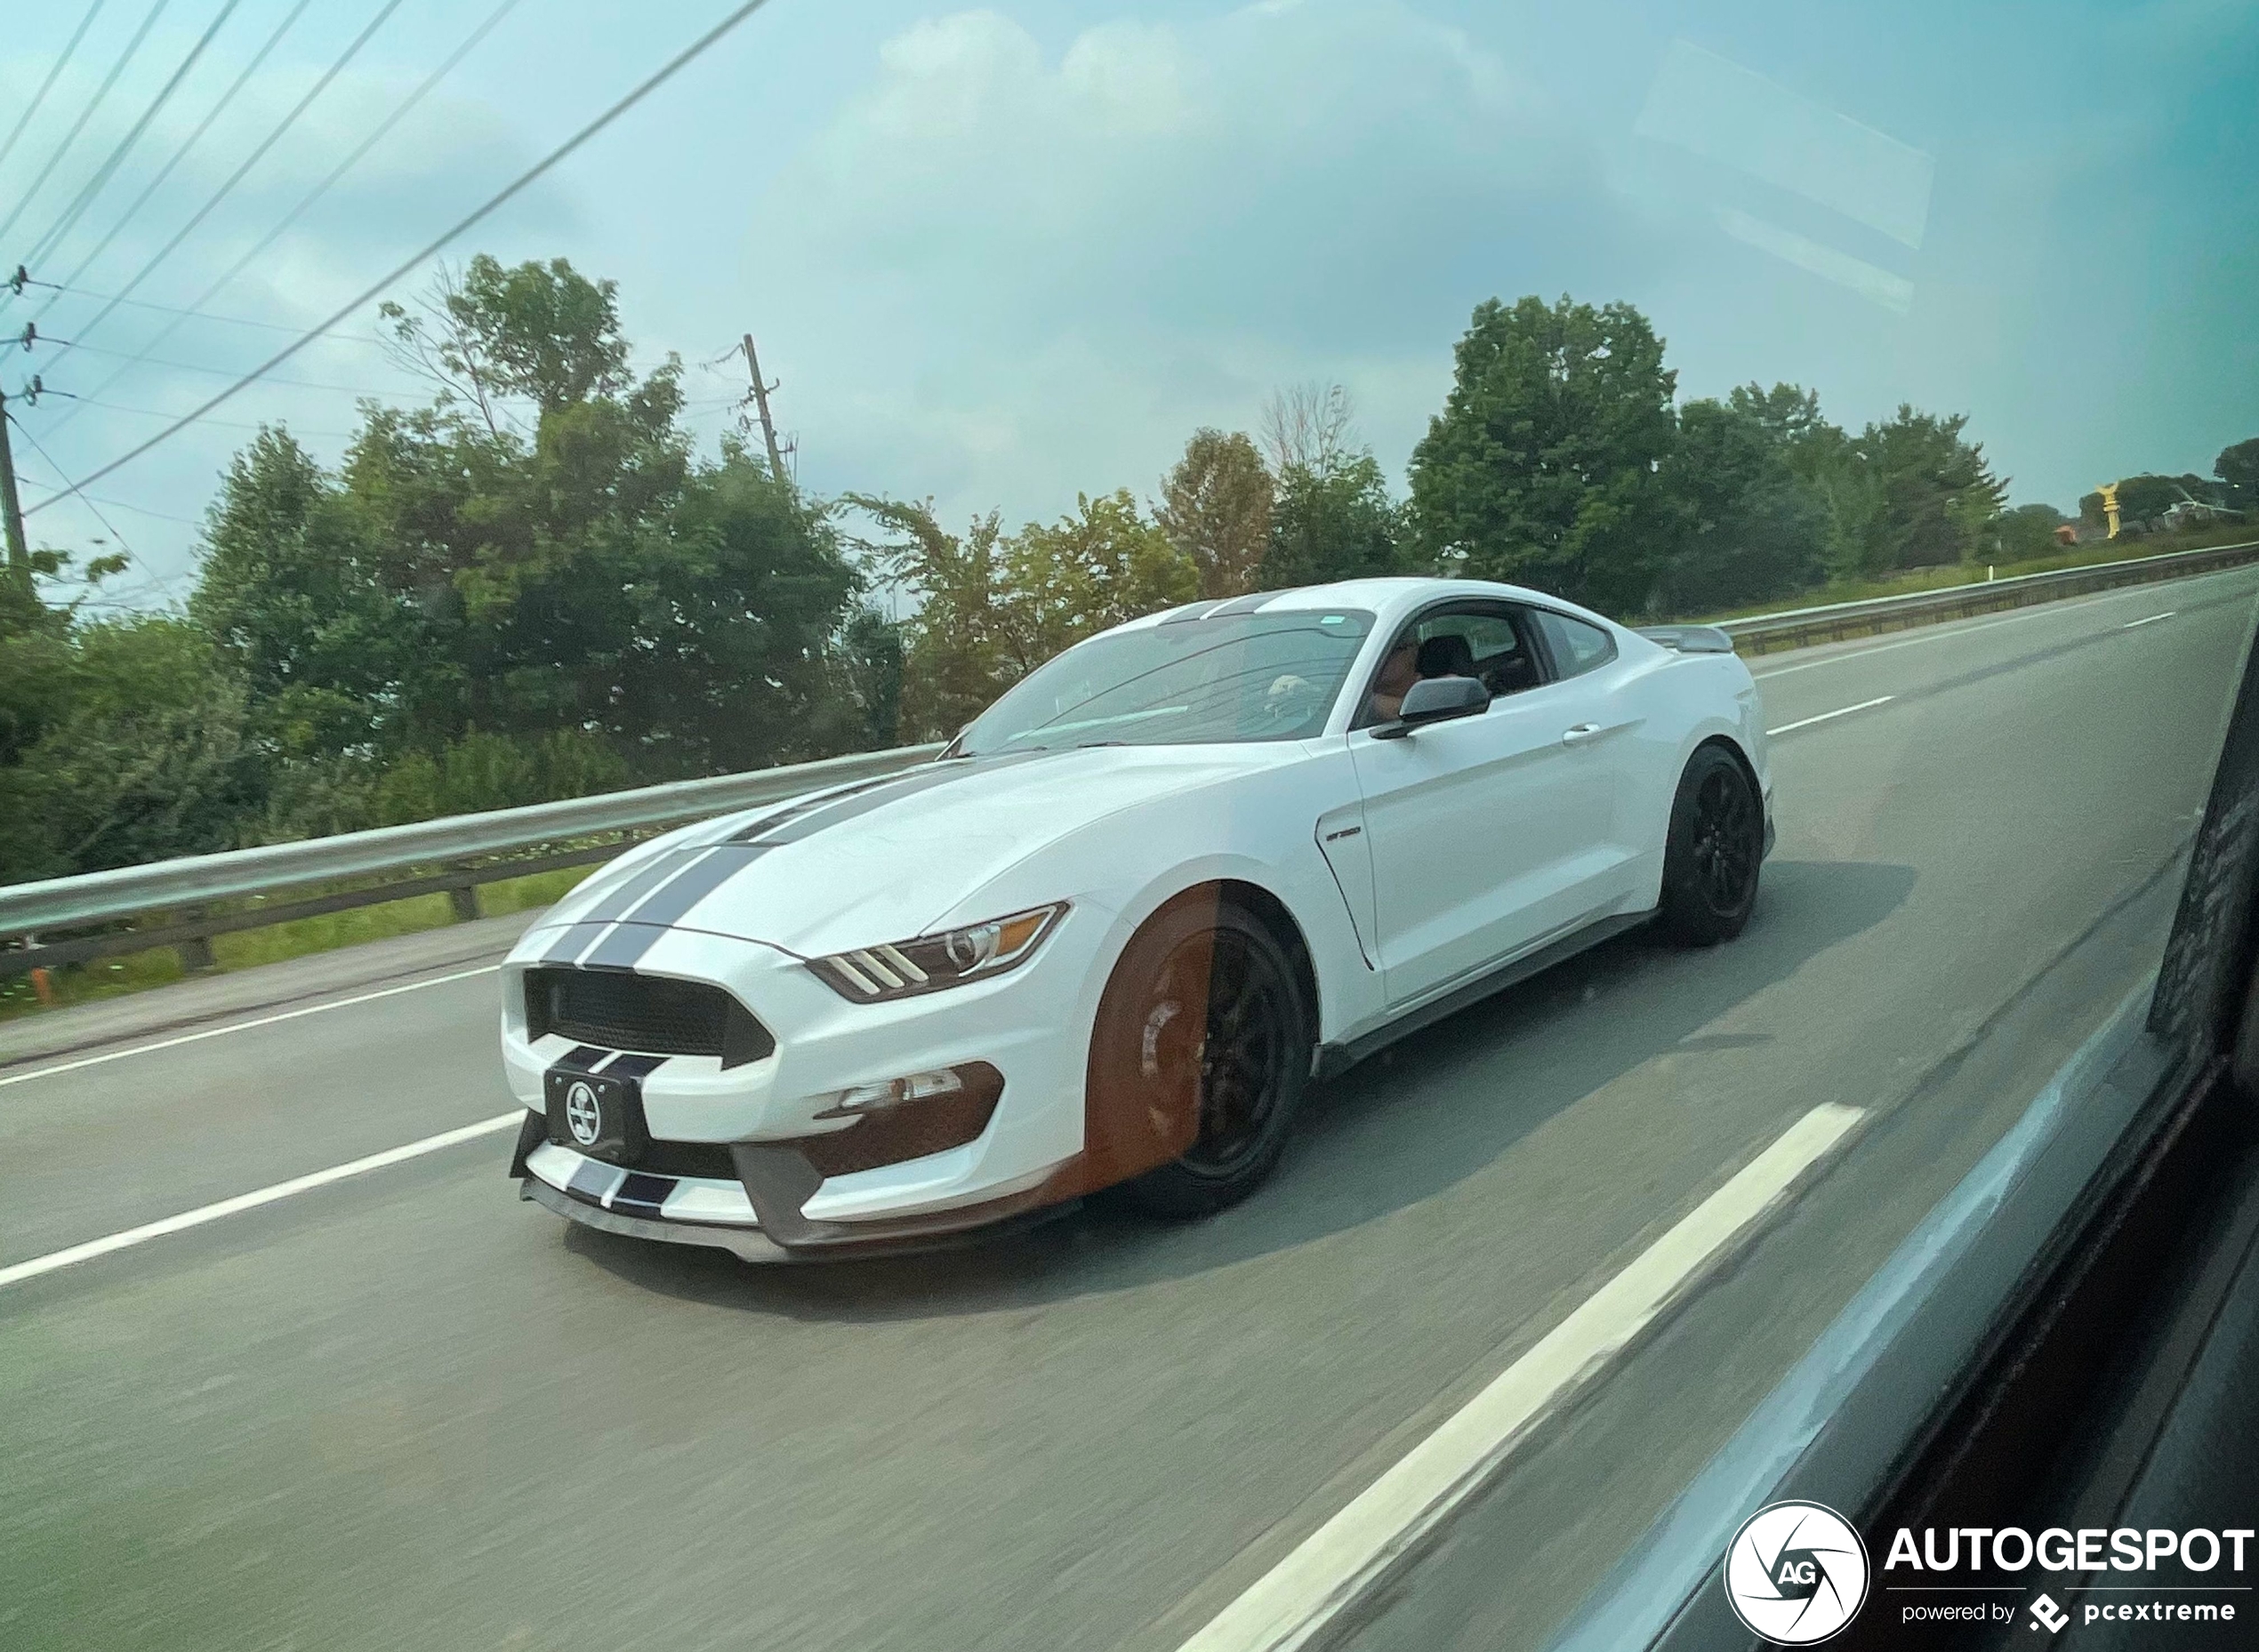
(1796, 1572)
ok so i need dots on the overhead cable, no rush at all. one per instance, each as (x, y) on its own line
(84, 115)
(509, 191)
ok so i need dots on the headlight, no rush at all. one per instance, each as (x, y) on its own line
(905, 968)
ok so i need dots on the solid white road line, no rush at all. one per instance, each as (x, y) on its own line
(17, 1273)
(241, 1026)
(1294, 1600)
(2152, 620)
(1829, 717)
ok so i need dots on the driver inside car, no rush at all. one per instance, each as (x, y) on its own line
(1447, 655)
(1398, 672)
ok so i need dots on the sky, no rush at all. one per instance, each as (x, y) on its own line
(998, 256)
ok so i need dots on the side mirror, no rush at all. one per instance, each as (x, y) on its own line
(1435, 700)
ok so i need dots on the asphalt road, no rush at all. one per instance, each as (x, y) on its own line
(408, 1410)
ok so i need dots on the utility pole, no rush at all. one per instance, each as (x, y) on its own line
(761, 388)
(11, 507)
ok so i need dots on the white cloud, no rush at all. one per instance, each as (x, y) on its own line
(1026, 275)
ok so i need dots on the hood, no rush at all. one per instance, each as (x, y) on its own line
(876, 860)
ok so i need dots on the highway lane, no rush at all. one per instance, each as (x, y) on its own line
(1096, 1433)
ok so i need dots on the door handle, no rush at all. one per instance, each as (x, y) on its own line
(1581, 734)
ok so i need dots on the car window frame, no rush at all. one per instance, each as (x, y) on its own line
(1559, 672)
(1515, 614)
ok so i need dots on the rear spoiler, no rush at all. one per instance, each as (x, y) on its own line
(1689, 638)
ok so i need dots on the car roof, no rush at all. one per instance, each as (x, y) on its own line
(1385, 598)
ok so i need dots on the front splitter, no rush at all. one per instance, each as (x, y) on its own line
(749, 1243)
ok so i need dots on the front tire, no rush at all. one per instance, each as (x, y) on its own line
(1204, 1020)
(1711, 856)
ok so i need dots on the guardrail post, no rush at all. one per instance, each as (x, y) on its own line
(463, 900)
(196, 954)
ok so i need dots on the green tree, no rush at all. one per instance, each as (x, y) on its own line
(1542, 467)
(2147, 497)
(467, 573)
(1101, 565)
(1337, 522)
(1216, 506)
(2027, 532)
(952, 651)
(1908, 493)
(2237, 466)
(543, 333)
(871, 663)
(296, 597)
(991, 608)
(149, 758)
(1752, 528)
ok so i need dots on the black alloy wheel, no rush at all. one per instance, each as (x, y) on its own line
(1243, 1057)
(1711, 857)
(1208, 1017)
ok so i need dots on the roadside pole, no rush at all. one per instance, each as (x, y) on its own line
(760, 400)
(10, 506)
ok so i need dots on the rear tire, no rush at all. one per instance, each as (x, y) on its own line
(1240, 1060)
(1710, 858)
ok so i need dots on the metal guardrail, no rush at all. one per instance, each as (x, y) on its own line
(200, 896)
(454, 855)
(1799, 628)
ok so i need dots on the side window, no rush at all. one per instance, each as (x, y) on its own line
(1486, 644)
(1577, 647)
(1483, 645)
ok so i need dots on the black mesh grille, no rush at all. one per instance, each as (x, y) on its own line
(646, 1014)
(709, 1159)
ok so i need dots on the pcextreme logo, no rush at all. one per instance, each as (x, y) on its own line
(1796, 1572)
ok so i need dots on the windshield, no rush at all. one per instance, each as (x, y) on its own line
(1191, 682)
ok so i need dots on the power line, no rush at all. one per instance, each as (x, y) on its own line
(159, 412)
(84, 115)
(253, 159)
(383, 126)
(64, 290)
(219, 372)
(115, 504)
(107, 170)
(650, 83)
(55, 73)
(181, 154)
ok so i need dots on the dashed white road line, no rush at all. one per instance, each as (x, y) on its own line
(241, 1026)
(1293, 1602)
(16, 1273)
(2152, 620)
(1829, 716)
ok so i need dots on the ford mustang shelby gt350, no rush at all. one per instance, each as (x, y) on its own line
(1109, 936)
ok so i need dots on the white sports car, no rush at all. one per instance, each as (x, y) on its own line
(1112, 933)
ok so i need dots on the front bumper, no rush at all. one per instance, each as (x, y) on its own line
(724, 1216)
(1028, 1026)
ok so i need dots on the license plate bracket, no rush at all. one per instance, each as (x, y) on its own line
(599, 1114)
